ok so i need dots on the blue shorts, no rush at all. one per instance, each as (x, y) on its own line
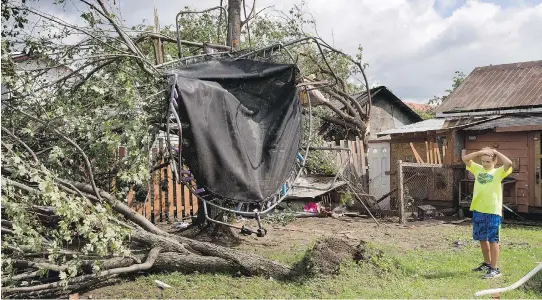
(485, 227)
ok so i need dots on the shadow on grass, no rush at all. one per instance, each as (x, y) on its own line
(445, 274)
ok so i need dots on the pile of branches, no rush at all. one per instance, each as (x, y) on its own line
(105, 239)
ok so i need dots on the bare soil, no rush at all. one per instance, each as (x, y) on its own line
(304, 232)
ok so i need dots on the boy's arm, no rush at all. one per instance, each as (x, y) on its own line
(506, 162)
(468, 157)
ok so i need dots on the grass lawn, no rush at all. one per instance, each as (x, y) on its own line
(401, 273)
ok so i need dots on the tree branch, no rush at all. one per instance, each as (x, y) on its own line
(149, 262)
(250, 15)
(99, 67)
(165, 38)
(352, 100)
(338, 122)
(127, 40)
(19, 277)
(39, 265)
(336, 96)
(85, 157)
(36, 160)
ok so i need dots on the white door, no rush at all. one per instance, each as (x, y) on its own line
(379, 163)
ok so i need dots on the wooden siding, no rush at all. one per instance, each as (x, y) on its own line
(515, 145)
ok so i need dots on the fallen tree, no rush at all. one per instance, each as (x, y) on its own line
(65, 226)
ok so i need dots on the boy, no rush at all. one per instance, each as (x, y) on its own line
(486, 205)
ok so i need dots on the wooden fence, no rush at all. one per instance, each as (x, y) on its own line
(355, 155)
(169, 201)
(166, 200)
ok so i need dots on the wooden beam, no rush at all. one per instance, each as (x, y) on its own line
(519, 128)
(431, 153)
(157, 42)
(416, 155)
(427, 151)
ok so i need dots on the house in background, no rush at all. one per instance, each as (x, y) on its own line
(422, 107)
(387, 112)
(496, 106)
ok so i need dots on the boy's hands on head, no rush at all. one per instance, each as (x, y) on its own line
(489, 152)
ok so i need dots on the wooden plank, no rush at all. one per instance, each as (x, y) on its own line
(186, 198)
(498, 137)
(499, 145)
(156, 195)
(353, 152)
(130, 196)
(431, 153)
(416, 155)
(523, 154)
(438, 154)
(444, 152)
(162, 193)
(195, 206)
(535, 161)
(157, 42)
(344, 154)
(519, 128)
(171, 192)
(361, 155)
(428, 159)
(179, 200)
(400, 192)
(435, 158)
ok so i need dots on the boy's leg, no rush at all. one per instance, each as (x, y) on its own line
(494, 238)
(494, 254)
(486, 252)
(479, 233)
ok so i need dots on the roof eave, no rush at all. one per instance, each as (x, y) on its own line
(487, 112)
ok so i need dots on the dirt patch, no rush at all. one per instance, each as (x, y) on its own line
(301, 234)
(327, 255)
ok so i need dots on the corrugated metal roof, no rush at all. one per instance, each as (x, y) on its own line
(426, 125)
(508, 121)
(508, 86)
(313, 186)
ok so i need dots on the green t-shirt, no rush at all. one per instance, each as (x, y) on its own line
(487, 195)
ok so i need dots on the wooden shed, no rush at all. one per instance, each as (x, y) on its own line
(496, 106)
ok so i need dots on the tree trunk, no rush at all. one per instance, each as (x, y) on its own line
(234, 24)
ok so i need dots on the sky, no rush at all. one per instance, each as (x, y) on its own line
(411, 46)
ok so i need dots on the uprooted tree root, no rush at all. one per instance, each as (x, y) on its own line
(329, 253)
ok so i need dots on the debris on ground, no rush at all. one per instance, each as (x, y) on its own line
(426, 212)
(328, 253)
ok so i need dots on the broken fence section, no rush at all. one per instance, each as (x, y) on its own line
(352, 155)
(166, 201)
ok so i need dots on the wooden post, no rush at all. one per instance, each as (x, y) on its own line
(400, 192)
(427, 152)
(159, 55)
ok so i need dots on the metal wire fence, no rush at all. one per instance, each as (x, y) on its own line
(419, 185)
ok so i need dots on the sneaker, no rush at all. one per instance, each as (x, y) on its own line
(483, 267)
(492, 273)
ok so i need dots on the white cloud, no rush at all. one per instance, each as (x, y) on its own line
(415, 51)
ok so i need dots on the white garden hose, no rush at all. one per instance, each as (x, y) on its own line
(513, 286)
